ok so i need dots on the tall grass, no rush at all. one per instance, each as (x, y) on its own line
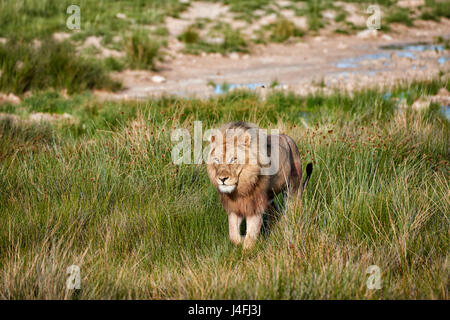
(399, 15)
(103, 194)
(26, 66)
(283, 29)
(435, 9)
(141, 52)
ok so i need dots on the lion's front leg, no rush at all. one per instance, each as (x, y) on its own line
(234, 225)
(253, 227)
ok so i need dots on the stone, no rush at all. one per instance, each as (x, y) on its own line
(10, 98)
(234, 56)
(367, 34)
(214, 40)
(158, 79)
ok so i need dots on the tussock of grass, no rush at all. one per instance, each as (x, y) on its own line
(341, 16)
(190, 35)
(40, 18)
(113, 64)
(313, 12)
(27, 67)
(245, 9)
(283, 29)
(399, 15)
(280, 31)
(141, 51)
(228, 40)
(110, 200)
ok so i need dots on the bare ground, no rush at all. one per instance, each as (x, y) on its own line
(325, 62)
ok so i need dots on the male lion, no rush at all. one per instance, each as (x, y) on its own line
(249, 168)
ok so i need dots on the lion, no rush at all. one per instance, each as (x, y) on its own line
(248, 168)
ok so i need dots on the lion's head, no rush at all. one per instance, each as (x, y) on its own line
(232, 162)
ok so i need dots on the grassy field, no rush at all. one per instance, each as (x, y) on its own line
(99, 190)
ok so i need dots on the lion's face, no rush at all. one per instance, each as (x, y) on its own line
(229, 166)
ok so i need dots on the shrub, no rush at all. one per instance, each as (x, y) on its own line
(399, 16)
(190, 35)
(283, 29)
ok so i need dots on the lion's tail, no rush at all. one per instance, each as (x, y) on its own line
(309, 169)
(297, 164)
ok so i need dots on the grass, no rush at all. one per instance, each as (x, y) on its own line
(40, 18)
(26, 66)
(190, 35)
(225, 40)
(102, 193)
(29, 20)
(245, 9)
(435, 9)
(313, 12)
(141, 51)
(283, 29)
(341, 16)
(399, 15)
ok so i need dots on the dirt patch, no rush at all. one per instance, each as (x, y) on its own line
(410, 3)
(208, 10)
(96, 42)
(37, 117)
(356, 14)
(323, 62)
(9, 98)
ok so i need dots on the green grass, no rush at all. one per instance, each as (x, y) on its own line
(313, 13)
(434, 10)
(341, 17)
(101, 192)
(231, 40)
(399, 15)
(25, 66)
(31, 19)
(141, 51)
(190, 35)
(245, 9)
(283, 29)
(28, 20)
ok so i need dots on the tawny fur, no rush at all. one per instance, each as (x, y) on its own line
(252, 191)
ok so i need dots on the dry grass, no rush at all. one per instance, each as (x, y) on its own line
(109, 200)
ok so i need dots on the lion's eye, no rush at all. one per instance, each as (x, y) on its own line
(216, 160)
(232, 160)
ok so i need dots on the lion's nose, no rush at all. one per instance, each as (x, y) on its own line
(223, 179)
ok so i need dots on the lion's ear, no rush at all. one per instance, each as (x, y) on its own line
(212, 138)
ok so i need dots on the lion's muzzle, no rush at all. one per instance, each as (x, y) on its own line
(226, 188)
